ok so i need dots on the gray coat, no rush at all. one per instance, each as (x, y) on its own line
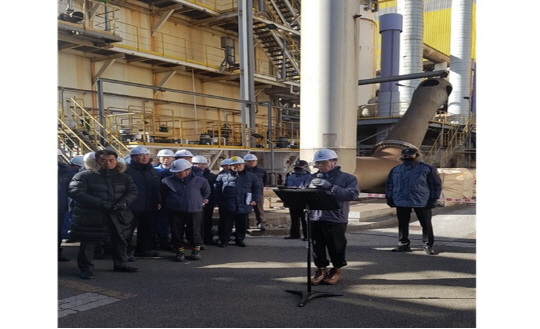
(185, 195)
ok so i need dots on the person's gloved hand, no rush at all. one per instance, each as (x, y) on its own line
(107, 205)
(390, 202)
(321, 183)
(120, 206)
(432, 203)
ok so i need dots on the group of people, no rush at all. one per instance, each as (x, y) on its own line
(177, 197)
(172, 201)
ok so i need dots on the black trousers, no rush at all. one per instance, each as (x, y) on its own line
(424, 217)
(207, 223)
(328, 236)
(120, 257)
(144, 222)
(297, 217)
(225, 225)
(188, 223)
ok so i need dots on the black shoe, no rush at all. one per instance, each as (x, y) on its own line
(261, 227)
(304, 239)
(292, 237)
(86, 275)
(240, 244)
(402, 248)
(148, 254)
(179, 257)
(429, 250)
(195, 255)
(126, 269)
(223, 244)
(203, 247)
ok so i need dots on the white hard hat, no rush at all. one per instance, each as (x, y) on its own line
(250, 157)
(127, 159)
(236, 160)
(324, 154)
(180, 165)
(58, 152)
(182, 153)
(226, 162)
(199, 159)
(77, 161)
(139, 150)
(165, 153)
(89, 155)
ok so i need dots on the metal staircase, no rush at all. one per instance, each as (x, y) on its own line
(281, 48)
(449, 143)
(79, 132)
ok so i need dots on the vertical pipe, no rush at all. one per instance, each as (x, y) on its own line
(329, 79)
(367, 45)
(412, 43)
(101, 108)
(247, 59)
(460, 59)
(390, 26)
(270, 141)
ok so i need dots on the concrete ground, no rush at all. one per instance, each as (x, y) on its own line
(247, 287)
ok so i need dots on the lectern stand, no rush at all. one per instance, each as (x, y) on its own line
(308, 199)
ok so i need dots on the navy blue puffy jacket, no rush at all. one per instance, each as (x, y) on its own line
(233, 199)
(413, 184)
(147, 180)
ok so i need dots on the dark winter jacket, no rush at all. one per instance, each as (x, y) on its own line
(232, 198)
(261, 175)
(89, 189)
(211, 178)
(147, 180)
(345, 189)
(413, 184)
(64, 177)
(185, 195)
(300, 178)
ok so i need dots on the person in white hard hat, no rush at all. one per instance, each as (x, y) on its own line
(236, 200)
(148, 201)
(329, 226)
(166, 157)
(201, 163)
(184, 196)
(251, 166)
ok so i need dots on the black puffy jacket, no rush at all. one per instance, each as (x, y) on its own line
(148, 181)
(89, 189)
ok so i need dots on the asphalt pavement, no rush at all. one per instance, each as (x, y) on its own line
(247, 287)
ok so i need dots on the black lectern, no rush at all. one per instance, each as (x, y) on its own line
(308, 199)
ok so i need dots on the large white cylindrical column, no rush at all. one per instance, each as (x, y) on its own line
(329, 84)
(412, 41)
(460, 59)
(367, 56)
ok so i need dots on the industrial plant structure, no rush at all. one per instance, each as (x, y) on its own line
(277, 78)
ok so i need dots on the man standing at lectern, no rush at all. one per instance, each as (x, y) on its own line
(328, 226)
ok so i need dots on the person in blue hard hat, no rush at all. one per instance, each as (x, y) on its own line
(237, 194)
(413, 185)
(329, 226)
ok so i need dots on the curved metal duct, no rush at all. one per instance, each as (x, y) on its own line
(372, 171)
